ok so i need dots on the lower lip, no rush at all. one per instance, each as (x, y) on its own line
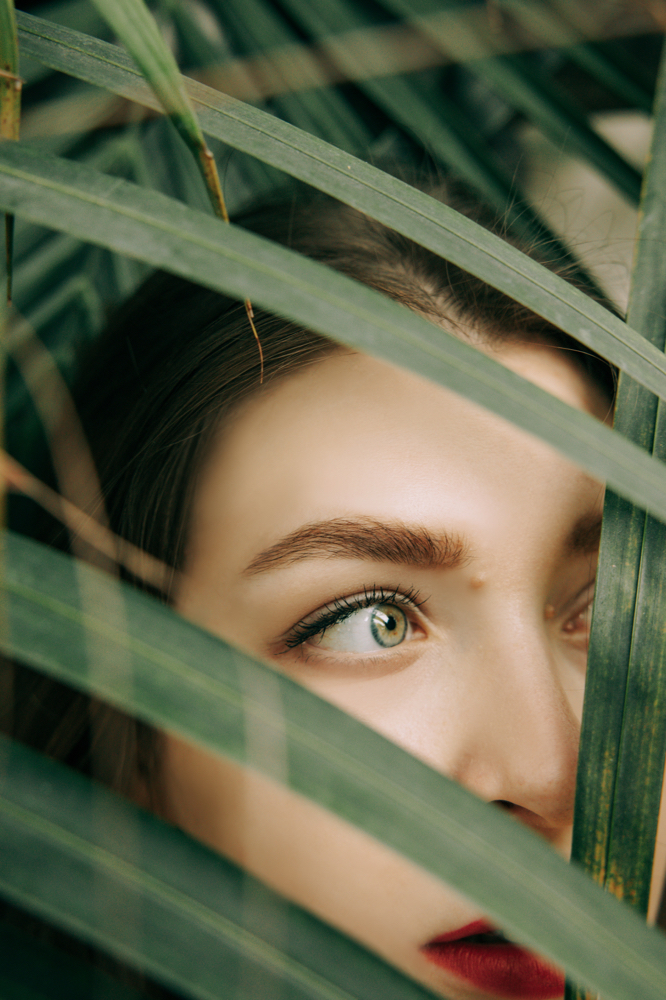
(502, 969)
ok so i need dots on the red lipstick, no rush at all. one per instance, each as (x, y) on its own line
(482, 956)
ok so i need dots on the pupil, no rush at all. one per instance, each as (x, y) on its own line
(388, 628)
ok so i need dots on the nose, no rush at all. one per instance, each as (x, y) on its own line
(518, 743)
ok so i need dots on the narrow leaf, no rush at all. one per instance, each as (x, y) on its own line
(136, 27)
(177, 677)
(530, 92)
(30, 969)
(384, 198)
(623, 738)
(437, 124)
(617, 816)
(165, 233)
(151, 896)
(10, 107)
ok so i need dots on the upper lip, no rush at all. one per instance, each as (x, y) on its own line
(476, 927)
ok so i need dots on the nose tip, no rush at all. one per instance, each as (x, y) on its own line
(557, 830)
(524, 752)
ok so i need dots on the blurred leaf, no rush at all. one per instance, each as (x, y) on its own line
(606, 71)
(165, 233)
(610, 65)
(380, 196)
(197, 43)
(118, 878)
(433, 120)
(546, 106)
(259, 27)
(136, 28)
(10, 107)
(166, 671)
(30, 969)
(518, 81)
(78, 14)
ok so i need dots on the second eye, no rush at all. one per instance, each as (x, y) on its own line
(379, 626)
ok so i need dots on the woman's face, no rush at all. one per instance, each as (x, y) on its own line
(429, 568)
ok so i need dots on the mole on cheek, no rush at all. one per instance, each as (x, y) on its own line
(476, 582)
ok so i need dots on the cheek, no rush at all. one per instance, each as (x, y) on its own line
(203, 794)
(310, 856)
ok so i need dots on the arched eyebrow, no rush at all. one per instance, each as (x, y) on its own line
(363, 538)
(586, 535)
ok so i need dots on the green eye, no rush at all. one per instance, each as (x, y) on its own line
(388, 625)
(364, 631)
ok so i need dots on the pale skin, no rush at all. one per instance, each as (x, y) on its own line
(486, 574)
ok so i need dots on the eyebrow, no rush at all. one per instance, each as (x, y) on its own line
(363, 538)
(586, 535)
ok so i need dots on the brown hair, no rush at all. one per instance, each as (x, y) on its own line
(175, 361)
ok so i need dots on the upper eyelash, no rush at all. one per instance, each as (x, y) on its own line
(342, 607)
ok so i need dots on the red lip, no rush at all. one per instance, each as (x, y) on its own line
(498, 967)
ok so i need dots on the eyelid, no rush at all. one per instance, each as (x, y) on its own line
(580, 603)
(334, 611)
(584, 595)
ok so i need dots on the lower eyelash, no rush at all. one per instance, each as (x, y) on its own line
(342, 607)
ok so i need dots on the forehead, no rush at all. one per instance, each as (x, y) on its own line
(352, 435)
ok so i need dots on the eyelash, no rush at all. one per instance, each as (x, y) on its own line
(581, 606)
(342, 607)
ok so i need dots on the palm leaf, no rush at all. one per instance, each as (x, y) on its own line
(530, 92)
(34, 970)
(167, 234)
(174, 676)
(623, 741)
(136, 27)
(10, 107)
(385, 198)
(180, 912)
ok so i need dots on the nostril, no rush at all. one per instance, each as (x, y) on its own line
(503, 804)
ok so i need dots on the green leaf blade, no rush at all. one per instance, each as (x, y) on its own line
(10, 109)
(33, 970)
(384, 198)
(179, 912)
(627, 646)
(134, 25)
(165, 233)
(623, 736)
(178, 678)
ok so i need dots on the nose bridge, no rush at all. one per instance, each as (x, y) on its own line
(521, 747)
